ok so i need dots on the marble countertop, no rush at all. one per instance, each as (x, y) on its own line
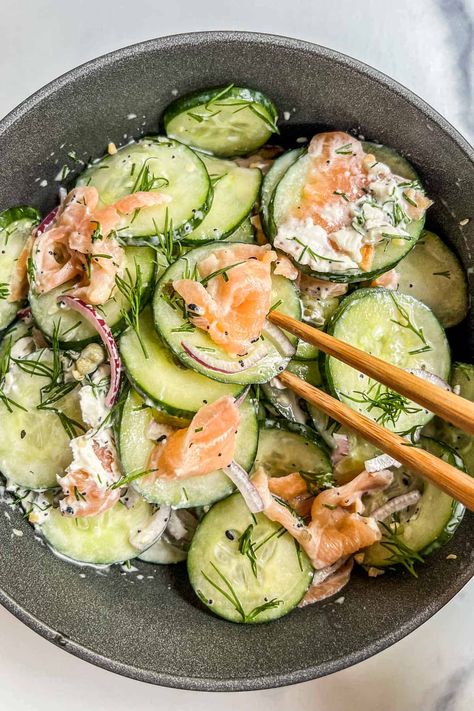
(429, 47)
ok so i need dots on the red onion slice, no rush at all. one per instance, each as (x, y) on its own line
(47, 221)
(24, 314)
(430, 377)
(143, 539)
(103, 329)
(282, 342)
(225, 366)
(383, 461)
(240, 478)
(397, 504)
(341, 449)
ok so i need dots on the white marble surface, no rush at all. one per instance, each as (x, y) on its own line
(428, 46)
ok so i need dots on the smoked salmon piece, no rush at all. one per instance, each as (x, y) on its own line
(233, 305)
(337, 528)
(206, 445)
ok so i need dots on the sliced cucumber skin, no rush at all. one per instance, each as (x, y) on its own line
(439, 517)
(235, 194)
(168, 319)
(115, 177)
(34, 447)
(271, 180)
(135, 450)
(386, 257)
(47, 312)
(432, 273)
(248, 139)
(162, 379)
(285, 447)
(243, 233)
(282, 574)
(163, 553)
(99, 540)
(375, 307)
(16, 225)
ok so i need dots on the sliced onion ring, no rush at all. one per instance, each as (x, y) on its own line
(24, 314)
(225, 366)
(282, 342)
(430, 377)
(106, 335)
(150, 534)
(47, 221)
(397, 504)
(240, 478)
(383, 461)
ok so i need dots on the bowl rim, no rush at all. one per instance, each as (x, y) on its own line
(328, 667)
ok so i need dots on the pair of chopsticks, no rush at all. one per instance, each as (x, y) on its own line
(445, 404)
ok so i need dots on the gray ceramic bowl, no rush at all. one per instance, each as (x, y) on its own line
(155, 629)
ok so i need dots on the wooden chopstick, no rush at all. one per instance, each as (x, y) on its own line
(445, 404)
(451, 480)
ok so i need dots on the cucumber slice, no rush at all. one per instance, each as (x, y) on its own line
(18, 329)
(427, 525)
(99, 540)
(288, 194)
(225, 121)
(235, 192)
(34, 447)
(374, 320)
(228, 582)
(171, 325)
(432, 273)
(284, 400)
(462, 378)
(135, 450)
(16, 225)
(244, 233)
(74, 331)
(163, 553)
(271, 180)
(162, 379)
(286, 447)
(167, 165)
(306, 351)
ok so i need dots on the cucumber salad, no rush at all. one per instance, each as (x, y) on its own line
(141, 410)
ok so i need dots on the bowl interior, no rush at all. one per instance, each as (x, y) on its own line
(148, 624)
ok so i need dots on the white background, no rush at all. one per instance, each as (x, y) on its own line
(426, 45)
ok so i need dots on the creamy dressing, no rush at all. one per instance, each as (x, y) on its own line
(380, 214)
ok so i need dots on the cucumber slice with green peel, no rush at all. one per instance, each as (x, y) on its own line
(286, 447)
(287, 196)
(162, 379)
(243, 233)
(271, 180)
(224, 121)
(306, 351)
(163, 553)
(34, 447)
(398, 329)
(285, 402)
(135, 449)
(462, 379)
(154, 163)
(432, 273)
(244, 567)
(74, 331)
(235, 192)
(175, 330)
(18, 329)
(16, 225)
(99, 540)
(425, 526)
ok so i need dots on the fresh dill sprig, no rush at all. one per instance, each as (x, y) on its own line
(315, 483)
(4, 368)
(390, 403)
(246, 547)
(123, 481)
(400, 553)
(345, 150)
(409, 325)
(4, 290)
(185, 328)
(314, 255)
(146, 180)
(219, 272)
(134, 292)
(229, 593)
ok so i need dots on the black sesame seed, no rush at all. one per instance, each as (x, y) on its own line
(22, 434)
(230, 535)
